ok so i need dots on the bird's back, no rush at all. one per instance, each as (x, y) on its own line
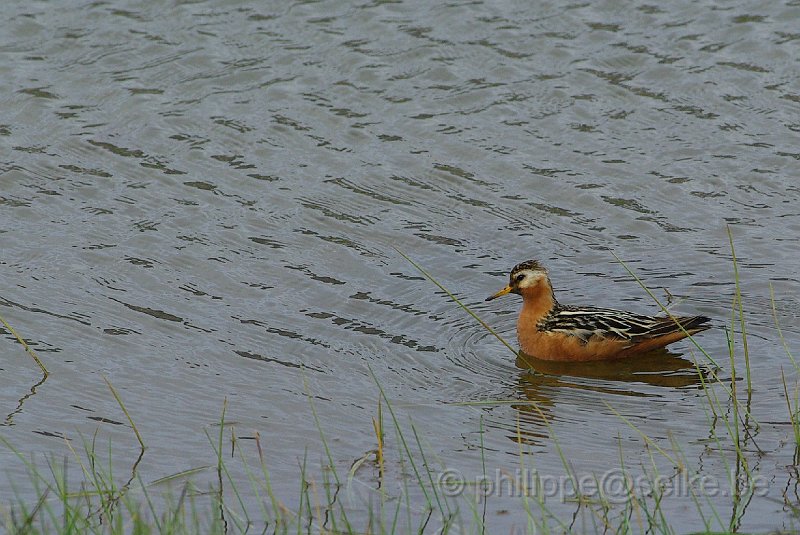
(586, 322)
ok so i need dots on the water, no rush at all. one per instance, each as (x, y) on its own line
(200, 201)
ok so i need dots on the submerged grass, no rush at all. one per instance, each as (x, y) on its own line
(405, 492)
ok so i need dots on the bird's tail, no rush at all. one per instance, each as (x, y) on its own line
(695, 324)
(691, 324)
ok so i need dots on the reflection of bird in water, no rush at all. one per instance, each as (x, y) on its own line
(549, 330)
(561, 383)
(655, 368)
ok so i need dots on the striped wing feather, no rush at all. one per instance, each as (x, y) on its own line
(585, 322)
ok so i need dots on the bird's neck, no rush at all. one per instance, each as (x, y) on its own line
(537, 302)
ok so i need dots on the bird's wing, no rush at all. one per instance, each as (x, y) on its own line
(585, 322)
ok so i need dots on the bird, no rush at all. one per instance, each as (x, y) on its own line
(548, 330)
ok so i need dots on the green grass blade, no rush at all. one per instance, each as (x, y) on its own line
(30, 351)
(457, 301)
(124, 410)
(664, 309)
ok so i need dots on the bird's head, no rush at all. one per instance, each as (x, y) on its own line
(525, 275)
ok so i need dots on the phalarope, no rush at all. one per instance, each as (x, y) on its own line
(549, 330)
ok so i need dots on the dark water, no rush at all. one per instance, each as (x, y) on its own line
(201, 201)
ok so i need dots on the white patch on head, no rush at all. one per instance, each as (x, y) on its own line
(527, 278)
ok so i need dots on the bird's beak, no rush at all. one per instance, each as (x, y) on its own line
(502, 292)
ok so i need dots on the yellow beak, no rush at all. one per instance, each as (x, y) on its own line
(502, 292)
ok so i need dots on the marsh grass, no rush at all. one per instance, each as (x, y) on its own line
(399, 477)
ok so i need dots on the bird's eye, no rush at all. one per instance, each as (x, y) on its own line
(519, 277)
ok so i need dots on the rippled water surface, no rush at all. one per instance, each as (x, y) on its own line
(200, 201)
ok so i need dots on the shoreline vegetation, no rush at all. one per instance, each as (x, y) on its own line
(399, 486)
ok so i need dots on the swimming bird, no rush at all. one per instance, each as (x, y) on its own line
(548, 330)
